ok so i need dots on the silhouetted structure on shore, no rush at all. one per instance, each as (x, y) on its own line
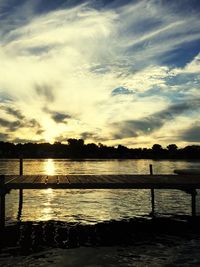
(76, 149)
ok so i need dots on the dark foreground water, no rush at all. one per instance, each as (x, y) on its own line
(133, 242)
(99, 228)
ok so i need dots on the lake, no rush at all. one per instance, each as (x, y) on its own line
(92, 206)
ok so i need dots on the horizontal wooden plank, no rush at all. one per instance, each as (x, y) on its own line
(52, 179)
(63, 179)
(188, 171)
(9, 178)
(22, 179)
(75, 179)
(41, 179)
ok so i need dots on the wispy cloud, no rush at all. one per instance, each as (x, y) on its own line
(148, 125)
(96, 63)
(192, 134)
(58, 116)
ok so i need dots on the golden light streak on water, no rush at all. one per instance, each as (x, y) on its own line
(48, 191)
(47, 205)
(47, 214)
(49, 167)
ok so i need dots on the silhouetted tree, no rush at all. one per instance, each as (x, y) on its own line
(172, 147)
(191, 152)
(75, 142)
(77, 149)
(157, 151)
(122, 151)
(157, 148)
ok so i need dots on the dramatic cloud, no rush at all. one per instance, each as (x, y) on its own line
(58, 117)
(12, 111)
(4, 137)
(110, 70)
(10, 125)
(147, 125)
(192, 134)
(121, 91)
(46, 92)
(13, 123)
(93, 136)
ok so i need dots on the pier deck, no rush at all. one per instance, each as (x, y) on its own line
(184, 182)
(189, 183)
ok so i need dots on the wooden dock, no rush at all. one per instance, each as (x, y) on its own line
(183, 182)
(187, 182)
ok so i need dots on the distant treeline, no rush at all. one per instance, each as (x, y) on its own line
(76, 149)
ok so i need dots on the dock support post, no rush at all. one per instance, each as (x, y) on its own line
(21, 166)
(193, 194)
(152, 194)
(20, 190)
(2, 202)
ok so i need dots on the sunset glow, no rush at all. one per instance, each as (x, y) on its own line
(115, 72)
(49, 167)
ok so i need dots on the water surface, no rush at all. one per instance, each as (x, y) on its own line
(92, 206)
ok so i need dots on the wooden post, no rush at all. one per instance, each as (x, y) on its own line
(193, 194)
(20, 190)
(151, 169)
(152, 194)
(2, 201)
(21, 166)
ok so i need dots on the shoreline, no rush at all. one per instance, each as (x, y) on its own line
(133, 242)
(33, 236)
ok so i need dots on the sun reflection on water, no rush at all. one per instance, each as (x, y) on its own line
(46, 210)
(47, 214)
(49, 167)
(49, 191)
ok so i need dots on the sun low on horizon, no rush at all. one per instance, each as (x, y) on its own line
(111, 72)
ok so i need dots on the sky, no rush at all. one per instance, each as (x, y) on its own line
(111, 72)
